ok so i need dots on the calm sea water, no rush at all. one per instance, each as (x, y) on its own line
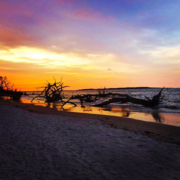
(168, 112)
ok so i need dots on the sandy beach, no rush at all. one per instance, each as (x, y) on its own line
(43, 143)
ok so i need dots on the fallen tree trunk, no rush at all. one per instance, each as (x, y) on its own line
(126, 98)
(122, 98)
(54, 92)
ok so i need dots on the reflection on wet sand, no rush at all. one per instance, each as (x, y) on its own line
(155, 116)
(123, 112)
(158, 117)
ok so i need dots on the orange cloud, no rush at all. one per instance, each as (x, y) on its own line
(13, 38)
(12, 32)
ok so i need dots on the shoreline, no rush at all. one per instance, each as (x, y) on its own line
(161, 132)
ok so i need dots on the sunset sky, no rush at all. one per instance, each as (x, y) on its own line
(90, 43)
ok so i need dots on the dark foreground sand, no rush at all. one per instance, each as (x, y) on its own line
(68, 146)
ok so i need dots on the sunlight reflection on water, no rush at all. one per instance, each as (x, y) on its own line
(154, 116)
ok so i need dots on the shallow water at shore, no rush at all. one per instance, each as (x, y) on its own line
(153, 115)
(170, 102)
(168, 112)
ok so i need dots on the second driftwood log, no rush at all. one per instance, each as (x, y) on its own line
(120, 98)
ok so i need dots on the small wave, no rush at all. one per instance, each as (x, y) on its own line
(171, 107)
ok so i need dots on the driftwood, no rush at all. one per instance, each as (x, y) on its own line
(54, 92)
(120, 98)
(126, 98)
(51, 92)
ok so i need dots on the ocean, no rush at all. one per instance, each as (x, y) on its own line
(168, 112)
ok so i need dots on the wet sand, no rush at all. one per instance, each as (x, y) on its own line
(161, 132)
